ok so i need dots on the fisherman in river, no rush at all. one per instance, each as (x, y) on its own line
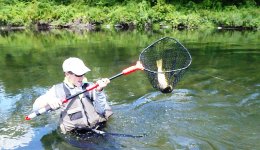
(88, 111)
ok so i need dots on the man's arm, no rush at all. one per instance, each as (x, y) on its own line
(49, 98)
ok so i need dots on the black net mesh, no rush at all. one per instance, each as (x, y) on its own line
(165, 62)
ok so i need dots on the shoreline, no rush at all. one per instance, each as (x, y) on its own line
(121, 27)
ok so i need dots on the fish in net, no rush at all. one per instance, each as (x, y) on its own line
(165, 61)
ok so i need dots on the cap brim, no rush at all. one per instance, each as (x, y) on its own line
(82, 71)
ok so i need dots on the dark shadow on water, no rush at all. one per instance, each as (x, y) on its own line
(84, 139)
(88, 140)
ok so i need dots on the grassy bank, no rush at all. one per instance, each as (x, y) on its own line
(140, 15)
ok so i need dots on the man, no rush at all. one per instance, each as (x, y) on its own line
(86, 111)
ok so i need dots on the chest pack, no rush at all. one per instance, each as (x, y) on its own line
(78, 112)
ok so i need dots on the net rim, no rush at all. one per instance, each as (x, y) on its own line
(168, 71)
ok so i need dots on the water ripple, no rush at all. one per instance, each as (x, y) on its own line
(16, 137)
(182, 95)
(249, 100)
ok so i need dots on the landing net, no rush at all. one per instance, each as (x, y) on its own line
(165, 61)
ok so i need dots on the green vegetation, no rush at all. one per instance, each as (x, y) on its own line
(130, 13)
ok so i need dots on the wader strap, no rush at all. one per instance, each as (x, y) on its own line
(87, 94)
(66, 90)
(67, 93)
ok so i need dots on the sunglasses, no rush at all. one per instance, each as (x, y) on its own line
(79, 75)
(76, 75)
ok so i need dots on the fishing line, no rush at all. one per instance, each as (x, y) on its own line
(217, 78)
(116, 134)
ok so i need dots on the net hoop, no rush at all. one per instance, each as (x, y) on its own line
(167, 71)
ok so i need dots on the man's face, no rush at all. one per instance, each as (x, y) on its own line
(75, 79)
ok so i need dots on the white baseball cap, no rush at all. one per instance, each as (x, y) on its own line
(75, 65)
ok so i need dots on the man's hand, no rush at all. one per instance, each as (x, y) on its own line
(102, 83)
(54, 103)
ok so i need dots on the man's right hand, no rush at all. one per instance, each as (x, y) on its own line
(54, 103)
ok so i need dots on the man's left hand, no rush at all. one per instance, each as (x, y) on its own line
(102, 83)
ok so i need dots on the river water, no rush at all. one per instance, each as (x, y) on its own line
(216, 105)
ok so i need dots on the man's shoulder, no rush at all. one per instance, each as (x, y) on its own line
(61, 89)
(61, 84)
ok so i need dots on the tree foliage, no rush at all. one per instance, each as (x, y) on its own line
(172, 13)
